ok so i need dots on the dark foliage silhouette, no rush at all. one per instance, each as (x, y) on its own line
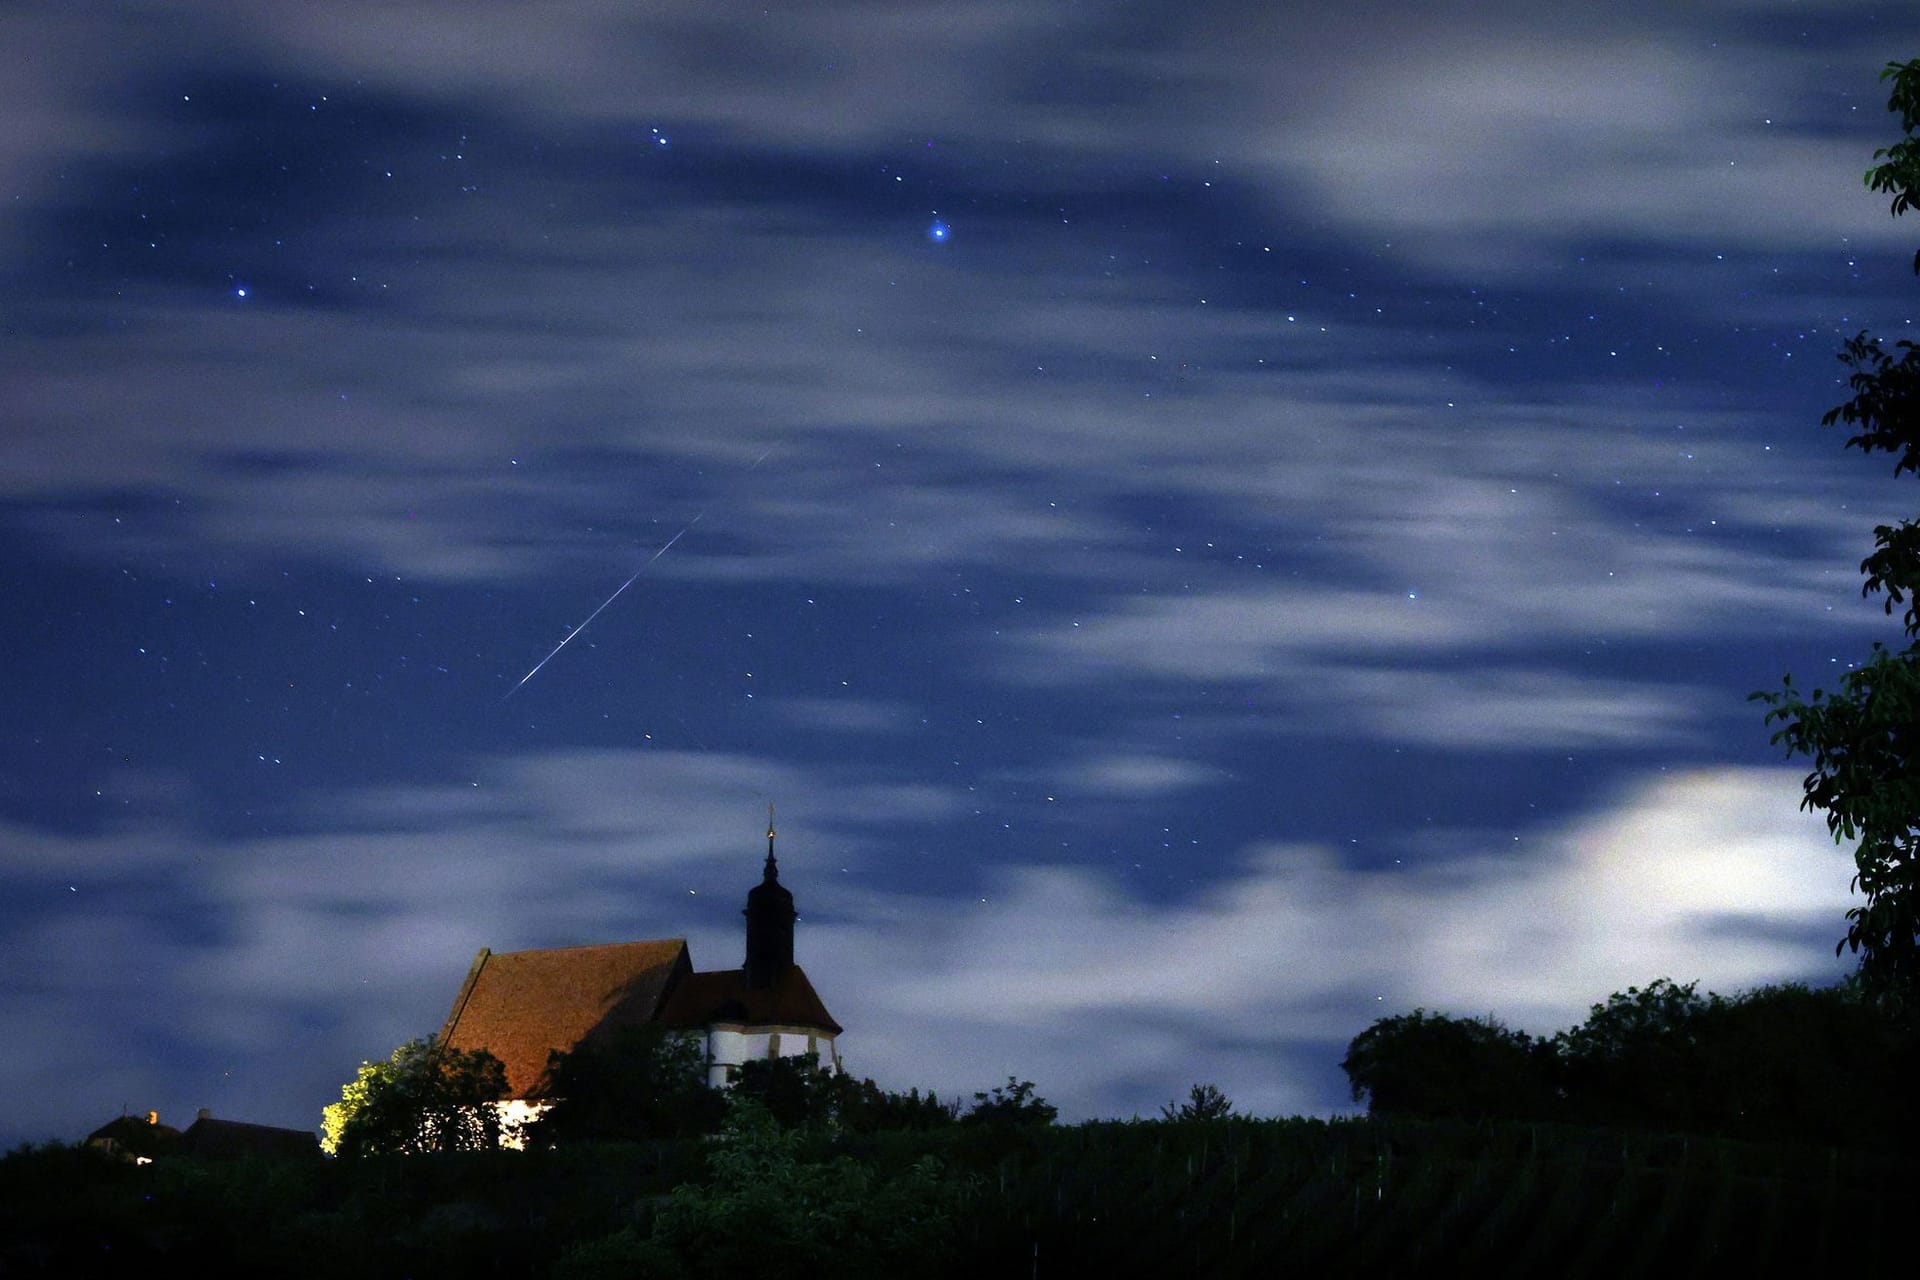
(1863, 736)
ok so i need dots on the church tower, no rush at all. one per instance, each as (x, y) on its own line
(520, 1005)
(770, 916)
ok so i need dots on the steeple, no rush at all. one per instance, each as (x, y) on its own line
(770, 916)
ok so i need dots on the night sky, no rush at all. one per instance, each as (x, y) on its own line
(1211, 523)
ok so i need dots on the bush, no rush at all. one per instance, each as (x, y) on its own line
(426, 1097)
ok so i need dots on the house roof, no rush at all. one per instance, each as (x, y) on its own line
(221, 1139)
(724, 996)
(523, 1005)
(135, 1135)
(206, 1136)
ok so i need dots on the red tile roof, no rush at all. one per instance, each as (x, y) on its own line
(723, 996)
(522, 1005)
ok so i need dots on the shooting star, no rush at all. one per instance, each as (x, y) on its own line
(603, 604)
(664, 548)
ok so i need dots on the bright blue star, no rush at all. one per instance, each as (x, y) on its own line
(240, 291)
(939, 232)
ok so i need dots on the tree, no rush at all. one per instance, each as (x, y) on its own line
(1204, 1102)
(1823, 1065)
(1428, 1064)
(1013, 1103)
(1663, 1012)
(1899, 173)
(864, 1107)
(1781, 1062)
(1863, 737)
(633, 1085)
(798, 1092)
(1777, 1063)
(426, 1097)
(768, 1210)
(1641, 1059)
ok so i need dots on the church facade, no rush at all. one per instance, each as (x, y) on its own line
(522, 1006)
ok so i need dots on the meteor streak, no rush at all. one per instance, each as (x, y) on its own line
(603, 604)
(664, 548)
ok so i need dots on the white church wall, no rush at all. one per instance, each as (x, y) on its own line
(728, 1047)
(515, 1115)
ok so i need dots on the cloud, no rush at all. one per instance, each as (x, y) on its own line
(847, 715)
(1061, 977)
(55, 114)
(849, 74)
(1506, 138)
(1282, 631)
(307, 954)
(1498, 143)
(315, 952)
(1511, 146)
(1133, 453)
(925, 412)
(1516, 709)
(1131, 776)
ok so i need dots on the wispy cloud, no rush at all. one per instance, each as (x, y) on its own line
(315, 952)
(1294, 379)
(1062, 977)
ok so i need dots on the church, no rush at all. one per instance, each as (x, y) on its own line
(523, 1005)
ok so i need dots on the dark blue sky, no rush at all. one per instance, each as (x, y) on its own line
(1211, 523)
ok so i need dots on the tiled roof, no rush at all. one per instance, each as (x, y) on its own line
(702, 999)
(522, 1005)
